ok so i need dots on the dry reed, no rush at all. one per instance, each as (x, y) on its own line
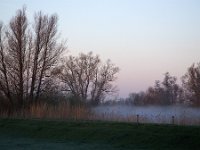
(64, 111)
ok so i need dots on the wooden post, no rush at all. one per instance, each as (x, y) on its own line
(173, 120)
(137, 119)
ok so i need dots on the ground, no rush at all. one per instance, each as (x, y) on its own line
(21, 134)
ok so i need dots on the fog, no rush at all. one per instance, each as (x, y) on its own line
(151, 114)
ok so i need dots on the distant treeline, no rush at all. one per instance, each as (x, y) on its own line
(168, 92)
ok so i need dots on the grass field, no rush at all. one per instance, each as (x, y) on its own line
(82, 135)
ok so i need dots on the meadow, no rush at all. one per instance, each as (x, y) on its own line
(57, 134)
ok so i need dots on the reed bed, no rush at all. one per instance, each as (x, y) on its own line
(64, 111)
(49, 111)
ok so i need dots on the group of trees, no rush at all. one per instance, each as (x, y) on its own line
(31, 65)
(168, 92)
(26, 57)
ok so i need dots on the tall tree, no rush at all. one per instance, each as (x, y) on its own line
(17, 40)
(4, 81)
(27, 56)
(191, 84)
(166, 92)
(171, 89)
(46, 51)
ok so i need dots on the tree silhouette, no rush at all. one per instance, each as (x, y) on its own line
(86, 77)
(27, 55)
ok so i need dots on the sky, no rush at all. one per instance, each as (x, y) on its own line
(144, 38)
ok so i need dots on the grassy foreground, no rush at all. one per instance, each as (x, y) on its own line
(72, 135)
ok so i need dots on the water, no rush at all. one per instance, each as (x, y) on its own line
(152, 114)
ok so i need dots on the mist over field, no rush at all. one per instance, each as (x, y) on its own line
(151, 114)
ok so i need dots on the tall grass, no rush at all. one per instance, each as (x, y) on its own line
(65, 111)
(48, 111)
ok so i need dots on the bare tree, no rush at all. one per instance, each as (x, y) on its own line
(27, 56)
(46, 50)
(4, 82)
(191, 84)
(171, 89)
(105, 75)
(17, 40)
(86, 77)
(167, 92)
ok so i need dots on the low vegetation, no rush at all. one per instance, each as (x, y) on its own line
(111, 135)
